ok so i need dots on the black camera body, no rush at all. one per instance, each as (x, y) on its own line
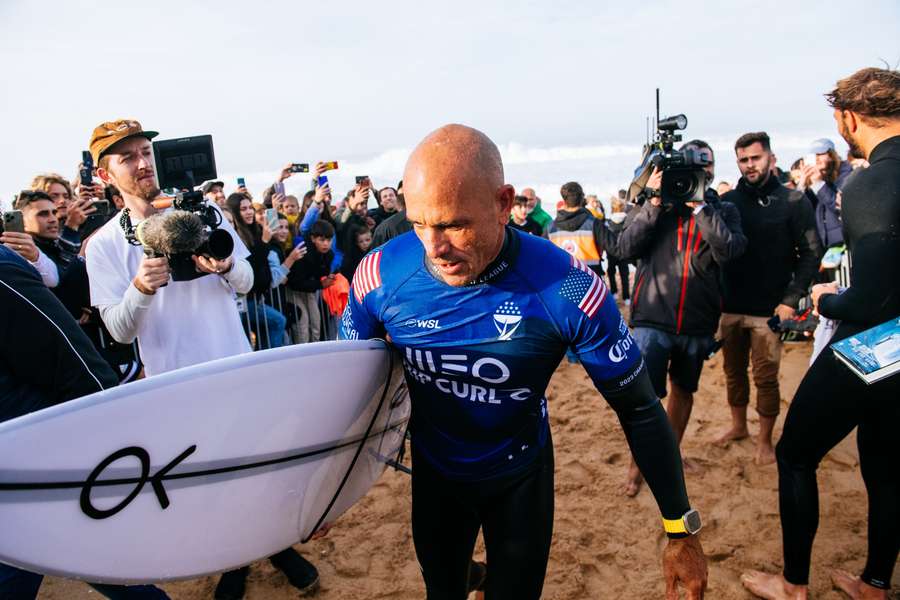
(192, 229)
(213, 242)
(683, 174)
(684, 177)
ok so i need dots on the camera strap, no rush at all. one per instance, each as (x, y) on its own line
(128, 228)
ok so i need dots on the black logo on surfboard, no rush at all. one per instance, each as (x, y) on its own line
(156, 481)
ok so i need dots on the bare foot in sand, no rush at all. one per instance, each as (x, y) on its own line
(633, 482)
(690, 466)
(855, 587)
(765, 455)
(772, 587)
(731, 435)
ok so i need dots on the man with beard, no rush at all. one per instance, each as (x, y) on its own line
(176, 323)
(831, 400)
(781, 259)
(129, 288)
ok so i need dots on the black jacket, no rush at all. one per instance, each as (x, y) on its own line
(379, 215)
(783, 249)
(678, 282)
(73, 289)
(393, 226)
(259, 261)
(45, 358)
(531, 226)
(871, 203)
(306, 274)
(571, 220)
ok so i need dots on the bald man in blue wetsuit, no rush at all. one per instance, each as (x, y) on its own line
(482, 315)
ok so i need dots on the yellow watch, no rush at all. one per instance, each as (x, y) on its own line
(689, 523)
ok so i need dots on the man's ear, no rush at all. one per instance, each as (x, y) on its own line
(505, 195)
(850, 120)
(104, 176)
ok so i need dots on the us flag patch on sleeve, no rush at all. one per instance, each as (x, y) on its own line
(367, 276)
(583, 287)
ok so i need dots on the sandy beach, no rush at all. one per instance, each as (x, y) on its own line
(604, 545)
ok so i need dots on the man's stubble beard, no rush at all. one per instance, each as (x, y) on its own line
(764, 174)
(855, 150)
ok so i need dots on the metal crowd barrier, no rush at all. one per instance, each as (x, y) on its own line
(257, 327)
(842, 275)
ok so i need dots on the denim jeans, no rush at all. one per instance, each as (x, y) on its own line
(267, 323)
(18, 584)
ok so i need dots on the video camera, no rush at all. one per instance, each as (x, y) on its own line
(683, 176)
(192, 228)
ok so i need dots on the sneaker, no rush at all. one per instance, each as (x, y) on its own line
(232, 584)
(300, 572)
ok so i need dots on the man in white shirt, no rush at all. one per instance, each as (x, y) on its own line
(176, 323)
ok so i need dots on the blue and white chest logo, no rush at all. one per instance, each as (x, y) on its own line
(507, 319)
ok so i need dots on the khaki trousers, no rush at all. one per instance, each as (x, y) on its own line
(746, 340)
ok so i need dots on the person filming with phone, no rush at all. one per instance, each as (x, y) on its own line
(42, 226)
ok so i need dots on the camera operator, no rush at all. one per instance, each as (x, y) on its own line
(782, 257)
(675, 307)
(176, 323)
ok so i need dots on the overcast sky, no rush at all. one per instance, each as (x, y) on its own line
(553, 83)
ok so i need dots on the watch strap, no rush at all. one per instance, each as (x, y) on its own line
(674, 525)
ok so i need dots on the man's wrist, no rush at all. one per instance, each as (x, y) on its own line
(230, 266)
(142, 288)
(686, 525)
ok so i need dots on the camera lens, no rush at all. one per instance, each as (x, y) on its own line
(681, 185)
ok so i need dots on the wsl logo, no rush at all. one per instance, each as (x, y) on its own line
(507, 319)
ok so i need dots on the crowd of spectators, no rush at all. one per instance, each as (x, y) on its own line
(726, 272)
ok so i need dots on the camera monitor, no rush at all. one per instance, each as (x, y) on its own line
(184, 162)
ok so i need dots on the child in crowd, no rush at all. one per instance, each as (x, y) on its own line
(309, 275)
(290, 208)
(361, 242)
(520, 219)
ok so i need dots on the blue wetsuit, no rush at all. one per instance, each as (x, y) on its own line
(478, 360)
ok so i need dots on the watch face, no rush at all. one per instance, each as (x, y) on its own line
(692, 521)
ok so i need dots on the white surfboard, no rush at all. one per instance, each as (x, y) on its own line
(202, 469)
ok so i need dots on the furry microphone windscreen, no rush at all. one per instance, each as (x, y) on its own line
(174, 232)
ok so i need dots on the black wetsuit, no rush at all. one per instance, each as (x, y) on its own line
(477, 361)
(831, 400)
